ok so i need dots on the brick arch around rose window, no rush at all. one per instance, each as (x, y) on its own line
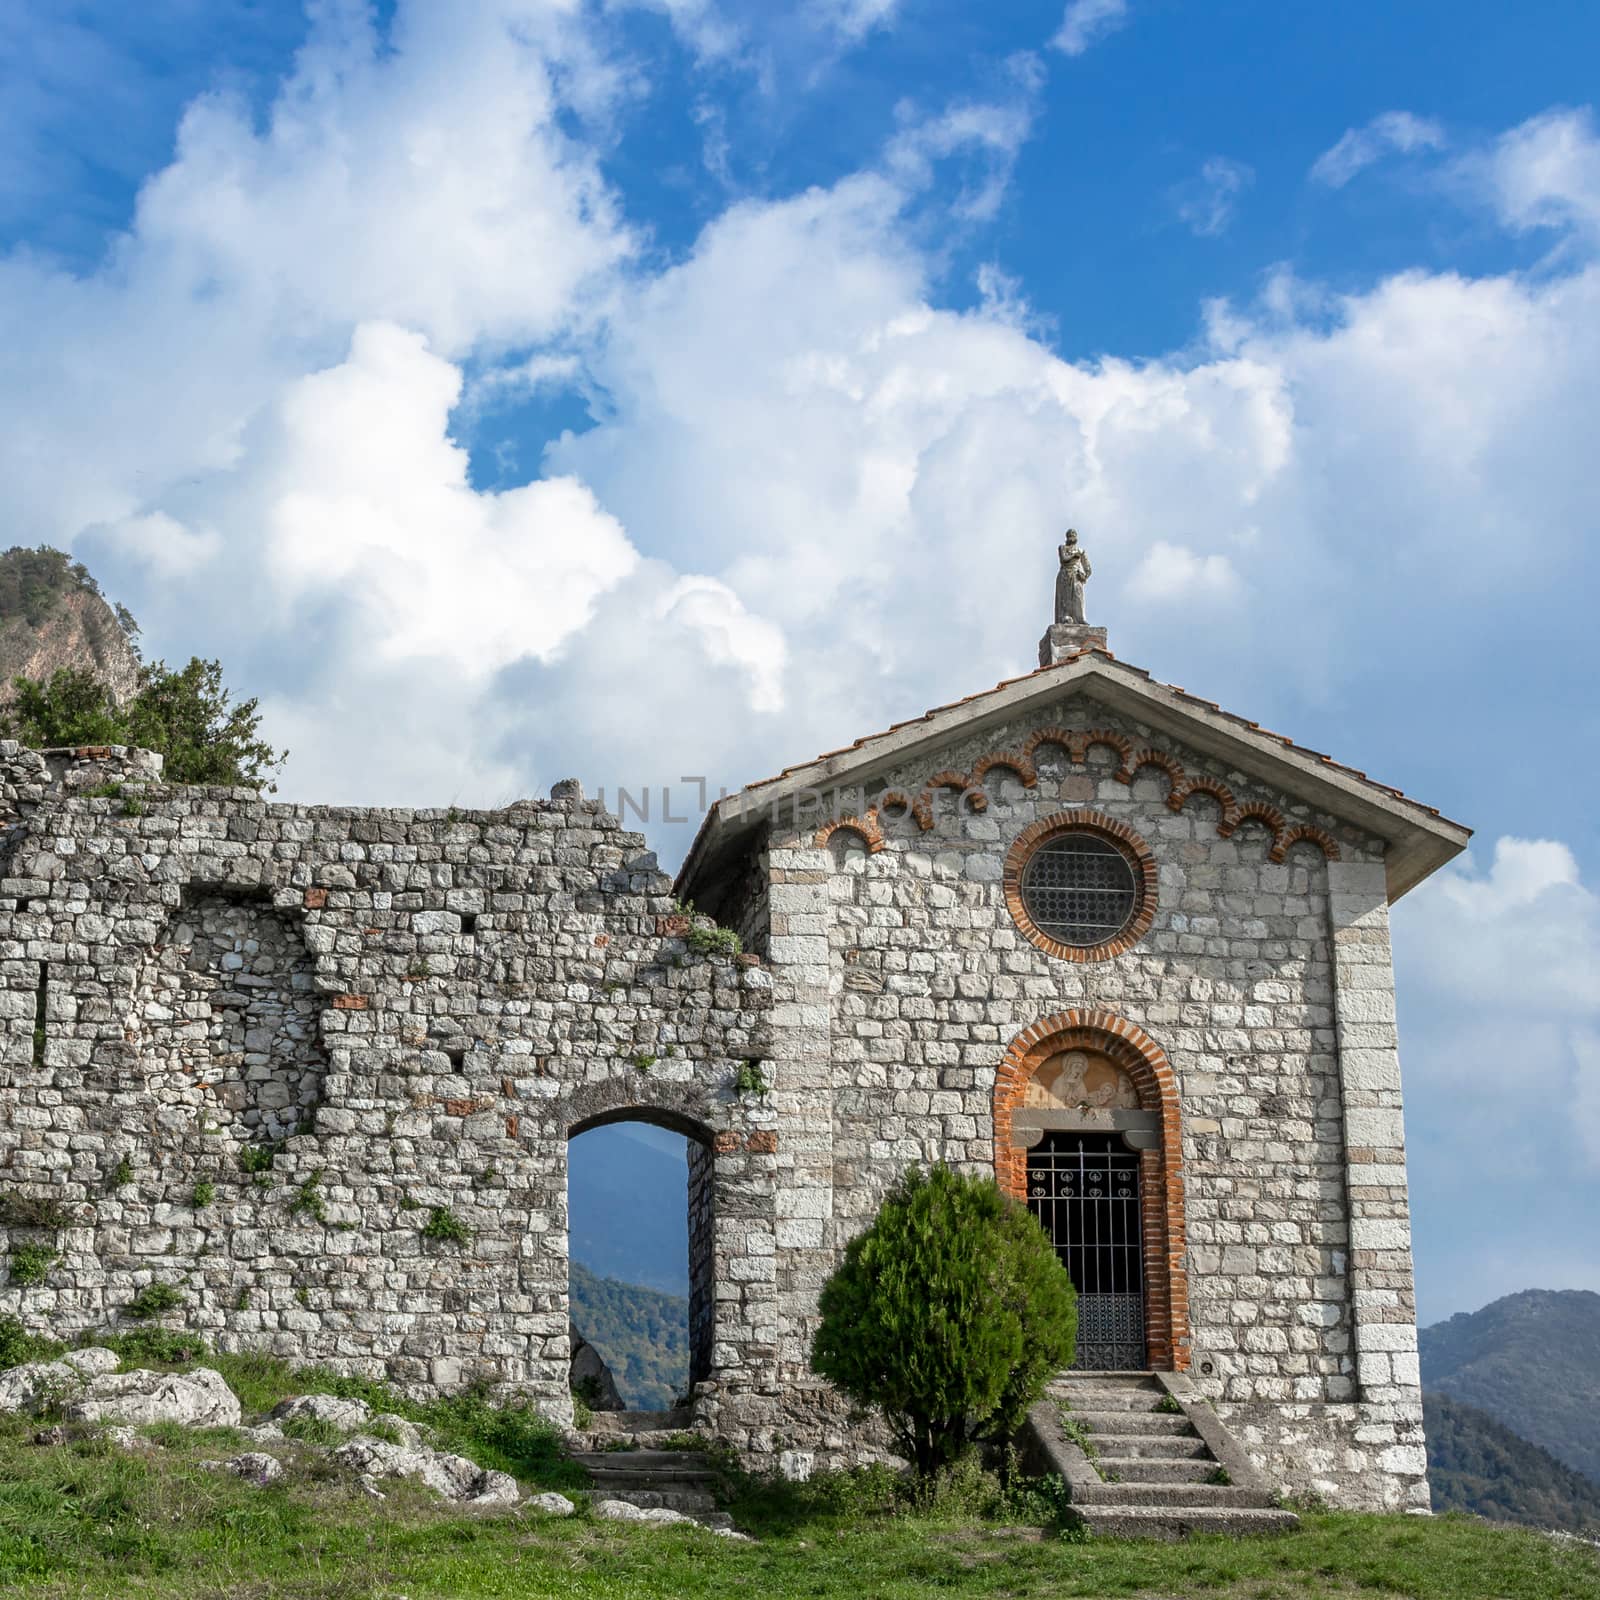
(1161, 1169)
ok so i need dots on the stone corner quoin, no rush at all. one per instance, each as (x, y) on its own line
(372, 1033)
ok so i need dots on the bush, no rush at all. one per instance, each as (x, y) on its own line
(34, 1211)
(18, 1345)
(153, 1300)
(31, 1264)
(445, 1227)
(163, 1347)
(714, 941)
(949, 1315)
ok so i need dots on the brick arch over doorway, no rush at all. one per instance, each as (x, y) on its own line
(1161, 1176)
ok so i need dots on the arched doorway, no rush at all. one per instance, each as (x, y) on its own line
(1086, 1124)
(640, 1221)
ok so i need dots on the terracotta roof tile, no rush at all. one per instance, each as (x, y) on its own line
(1076, 655)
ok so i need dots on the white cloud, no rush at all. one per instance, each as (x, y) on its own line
(1168, 573)
(1087, 22)
(853, 20)
(1507, 962)
(1546, 173)
(1528, 927)
(1207, 202)
(989, 133)
(1359, 148)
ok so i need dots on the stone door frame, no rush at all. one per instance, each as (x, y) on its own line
(1156, 1129)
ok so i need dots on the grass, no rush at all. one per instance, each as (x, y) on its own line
(86, 1520)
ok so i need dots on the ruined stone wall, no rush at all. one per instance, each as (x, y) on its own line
(315, 1069)
(930, 981)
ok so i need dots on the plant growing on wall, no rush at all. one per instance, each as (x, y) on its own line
(154, 1300)
(31, 1264)
(751, 1078)
(308, 1201)
(445, 1227)
(33, 1211)
(257, 1158)
(948, 1315)
(714, 941)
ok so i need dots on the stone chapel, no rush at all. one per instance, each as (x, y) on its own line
(1124, 950)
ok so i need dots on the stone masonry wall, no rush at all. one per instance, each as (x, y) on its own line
(358, 1027)
(930, 980)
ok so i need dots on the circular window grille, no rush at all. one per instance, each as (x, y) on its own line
(1079, 889)
(1081, 886)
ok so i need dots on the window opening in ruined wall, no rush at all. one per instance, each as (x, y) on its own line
(640, 1263)
(229, 1018)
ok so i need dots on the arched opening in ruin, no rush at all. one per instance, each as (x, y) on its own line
(1087, 1135)
(640, 1213)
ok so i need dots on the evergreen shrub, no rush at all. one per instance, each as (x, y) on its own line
(949, 1315)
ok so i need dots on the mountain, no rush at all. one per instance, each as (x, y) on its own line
(628, 1206)
(1532, 1362)
(1477, 1464)
(642, 1334)
(52, 615)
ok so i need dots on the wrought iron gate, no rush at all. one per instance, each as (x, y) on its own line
(1084, 1188)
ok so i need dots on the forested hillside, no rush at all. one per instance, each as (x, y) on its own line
(1477, 1464)
(1532, 1362)
(642, 1333)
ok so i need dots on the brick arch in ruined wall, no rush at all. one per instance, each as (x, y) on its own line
(1077, 743)
(1161, 1169)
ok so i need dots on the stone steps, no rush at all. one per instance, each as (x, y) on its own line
(1113, 1493)
(627, 1422)
(1178, 1522)
(1156, 1469)
(1148, 1466)
(676, 1480)
(1162, 1446)
(1158, 1424)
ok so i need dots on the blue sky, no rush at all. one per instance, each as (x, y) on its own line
(519, 388)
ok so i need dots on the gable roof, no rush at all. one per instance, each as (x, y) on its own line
(1420, 839)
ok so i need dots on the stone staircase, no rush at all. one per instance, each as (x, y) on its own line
(1155, 1461)
(640, 1457)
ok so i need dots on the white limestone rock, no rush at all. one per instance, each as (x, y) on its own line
(552, 1504)
(617, 1511)
(450, 1476)
(91, 1363)
(197, 1399)
(255, 1466)
(496, 1489)
(404, 1430)
(23, 1387)
(344, 1414)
